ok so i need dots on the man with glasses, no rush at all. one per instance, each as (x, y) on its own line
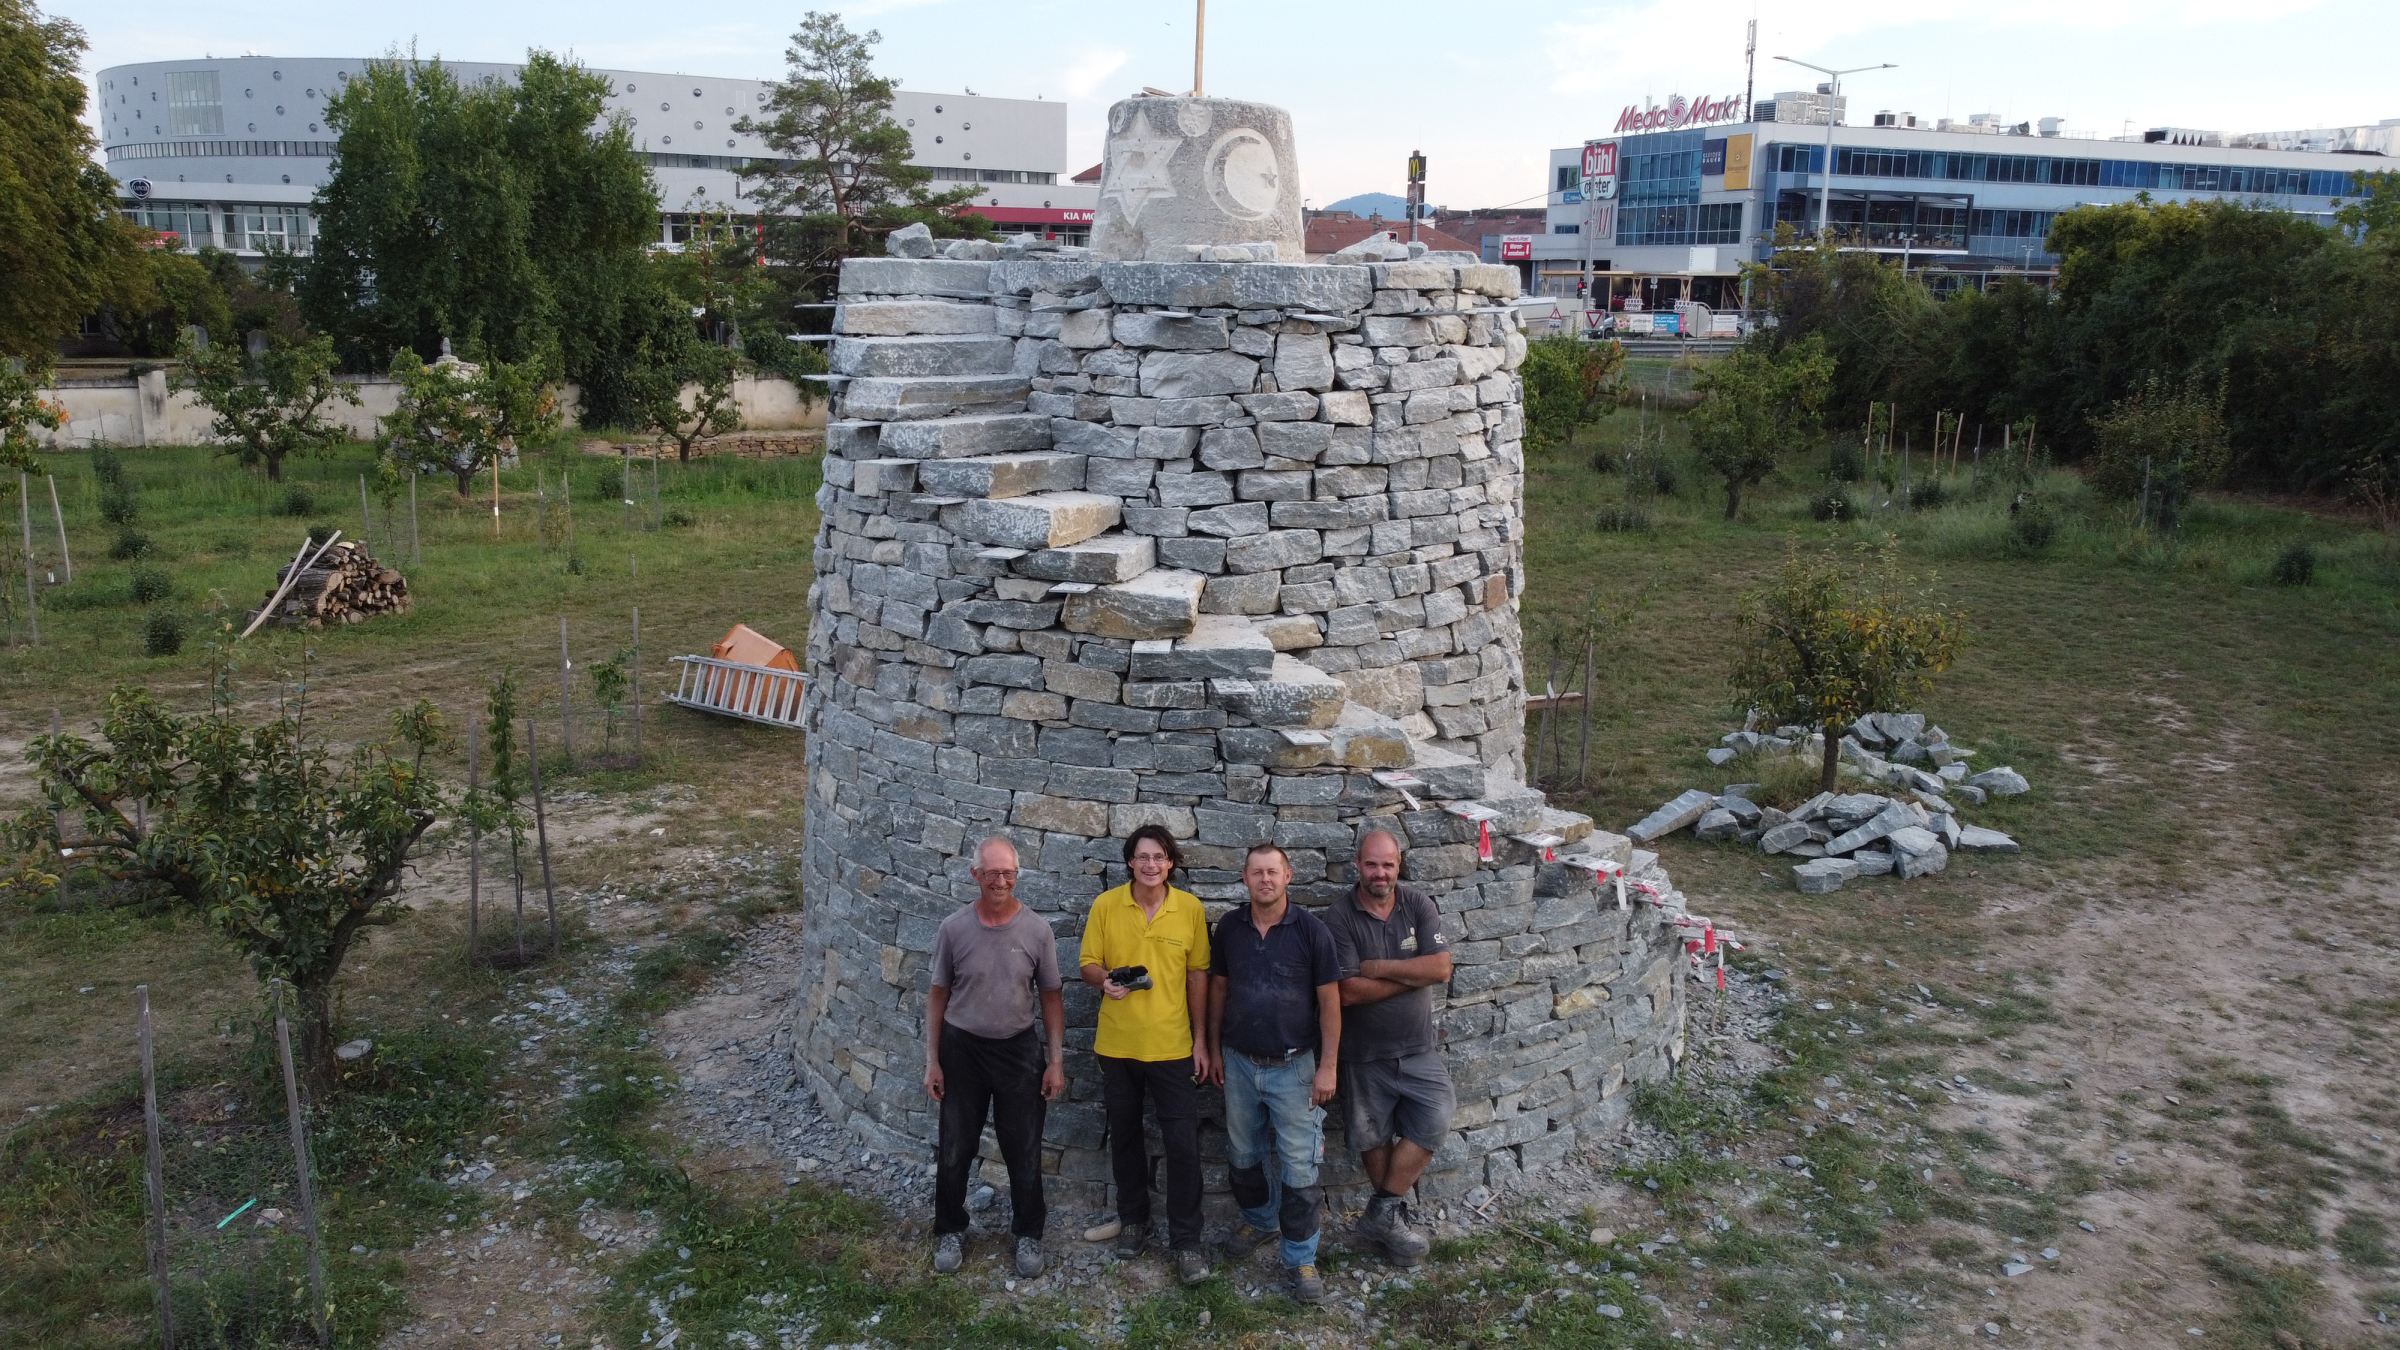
(983, 1058)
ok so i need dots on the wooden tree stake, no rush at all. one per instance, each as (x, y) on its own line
(308, 1190)
(154, 1178)
(474, 841)
(566, 696)
(59, 518)
(541, 834)
(33, 604)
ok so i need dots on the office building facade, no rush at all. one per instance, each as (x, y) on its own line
(229, 152)
(1670, 206)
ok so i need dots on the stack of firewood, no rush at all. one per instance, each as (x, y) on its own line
(342, 585)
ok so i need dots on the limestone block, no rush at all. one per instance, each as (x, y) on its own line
(1362, 738)
(1916, 852)
(1304, 441)
(1271, 748)
(1043, 520)
(1347, 408)
(1035, 811)
(1249, 593)
(1029, 706)
(1673, 816)
(1717, 824)
(1294, 406)
(1395, 691)
(1824, 875)
(963, 437)
(1197, 374)
(1124, 820)
(1309, 286)
(915, 276)
(1101, 560)
(1230, 448)
(973, 354)
(1230, 522)
(1293, 694)
(1090, 438)
(1303, 361)
(1219, 646)
(1084, 330)
(1194, 489)
(1293, 632)
(1160, 603)
(1894, 816)
(2000, 782)
(1274, 549)
(1181, 171)
(919, 398)
(902, 318)
(1977, 839)
(1173, 331)
(1064, 276)
(1001, 475)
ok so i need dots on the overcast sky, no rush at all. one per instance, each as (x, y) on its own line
(1484, 90)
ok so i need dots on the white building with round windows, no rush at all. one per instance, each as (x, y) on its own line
(229, 152)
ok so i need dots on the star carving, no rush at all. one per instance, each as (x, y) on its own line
(1137, 171)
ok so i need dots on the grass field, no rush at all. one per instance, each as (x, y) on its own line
(2168, 1018)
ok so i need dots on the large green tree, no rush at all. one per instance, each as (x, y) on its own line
(269, 407)
(62, 244)
(841, 177)
(509, 218)
(1756, 406)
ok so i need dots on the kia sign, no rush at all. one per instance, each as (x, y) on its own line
(1516, 248)
(1599, 169)
(1679, 112)
(139, 187)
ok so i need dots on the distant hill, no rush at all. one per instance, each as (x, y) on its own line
(1382, 204)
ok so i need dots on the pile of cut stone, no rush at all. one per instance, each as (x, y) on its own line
(1844, 835)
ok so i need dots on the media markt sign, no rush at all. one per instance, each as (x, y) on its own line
(1679, 112)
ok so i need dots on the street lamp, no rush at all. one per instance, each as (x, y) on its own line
(1906, 240)
(1825, 192)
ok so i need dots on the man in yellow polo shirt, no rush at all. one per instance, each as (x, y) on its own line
(1145, 1044)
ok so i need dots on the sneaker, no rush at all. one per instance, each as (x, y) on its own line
(1131, 1239)
(949, 1253)
(1029, 1257)
(1386, 1223)
(1306, 1286)
(1245, 1239)
(1191, 1265)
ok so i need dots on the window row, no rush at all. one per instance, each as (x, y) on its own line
(263, 229)
(203, 149)
(1959, 166)
(1715, 223)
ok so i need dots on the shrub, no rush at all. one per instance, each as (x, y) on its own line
(107, 467)
(1605, 462)
(162, 633)
(676, 516)
(1661, 472)
(612, 483)
(1626, 519)
(2296, 565)
(151, 584)
(1831, 504)
(297, 501)
(1928, 495)
(2031, 526)
(319, 533)
(129, 545)
(1842, 466)
(117, 504)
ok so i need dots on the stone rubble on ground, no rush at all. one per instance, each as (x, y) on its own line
(1838, 837)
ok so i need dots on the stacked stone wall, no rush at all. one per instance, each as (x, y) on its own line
(1234, 548)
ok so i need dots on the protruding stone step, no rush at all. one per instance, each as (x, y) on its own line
(947, 354)
(917, 398)
(1294, 694)
(901, 318)
(1103, 560)
(1571, 826)
(1273, 747)
(916, 276)
(1448, 775)
(1160, 603)
(1362, 738)
(961, 437)
(999, 476)
(1220, 646)
(1044, 520)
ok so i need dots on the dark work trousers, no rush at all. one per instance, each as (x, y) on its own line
(1002, 1078)
(1168, 1086)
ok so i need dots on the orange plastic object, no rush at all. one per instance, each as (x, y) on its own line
(750, 695)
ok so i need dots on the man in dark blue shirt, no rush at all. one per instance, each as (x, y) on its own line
(1275, 1034)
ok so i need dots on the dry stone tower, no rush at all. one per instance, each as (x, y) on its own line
(1227, 543)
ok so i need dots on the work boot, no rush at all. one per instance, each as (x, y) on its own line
(1306, 1286)
(1191, 1265)
(949, 1252)
(1386, 1223)
(1245, 1239)
(1131, 1239)
(1029, 1258)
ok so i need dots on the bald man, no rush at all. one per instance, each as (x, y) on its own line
(992, 962)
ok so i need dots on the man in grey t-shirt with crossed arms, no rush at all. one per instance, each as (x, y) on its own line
(1389, 939)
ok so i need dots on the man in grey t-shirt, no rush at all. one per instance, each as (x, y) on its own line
(1389, 939)
(991, 960)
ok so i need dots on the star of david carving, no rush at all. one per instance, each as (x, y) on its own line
(1138, 171)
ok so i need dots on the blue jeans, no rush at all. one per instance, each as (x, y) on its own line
(1267, 1109)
